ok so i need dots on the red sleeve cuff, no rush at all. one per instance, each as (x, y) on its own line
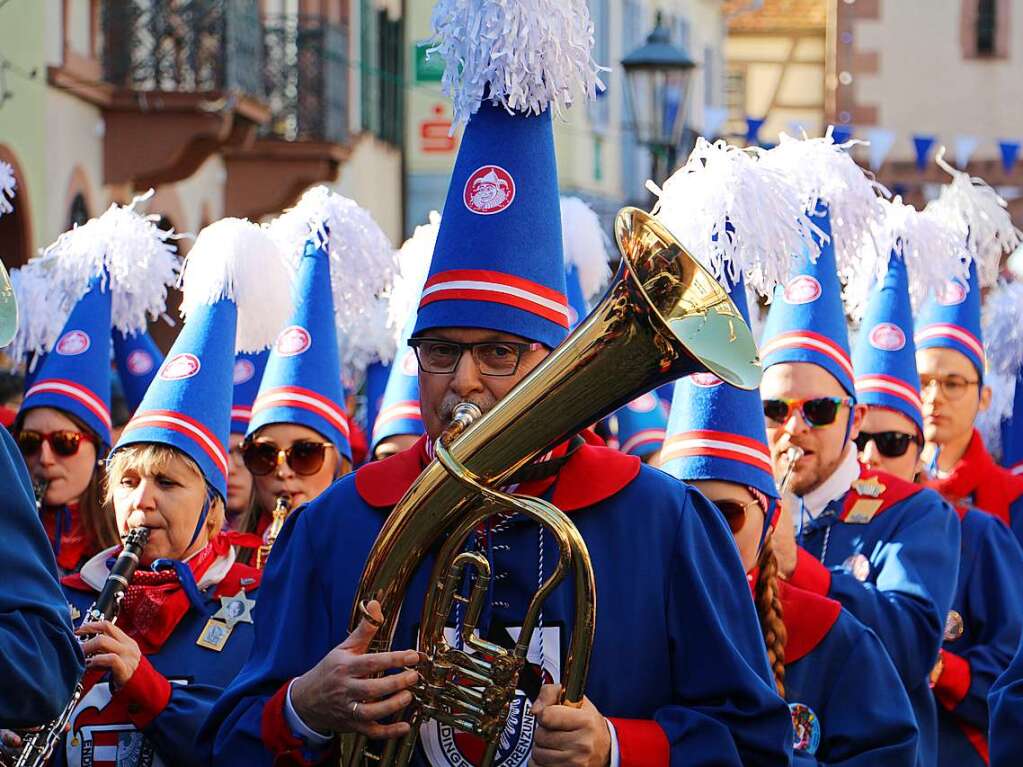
(145, 694)
(641, 743)
(810, 574)
(954, 682)
(287, 748)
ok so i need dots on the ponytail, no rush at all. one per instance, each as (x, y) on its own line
(769, 609)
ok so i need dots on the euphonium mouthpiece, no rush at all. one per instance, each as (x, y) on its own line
(464, 415)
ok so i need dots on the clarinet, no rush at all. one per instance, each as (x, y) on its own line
(38, 746)
(39, 489)
(280, 513)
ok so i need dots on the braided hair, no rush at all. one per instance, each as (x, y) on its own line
(769, 609)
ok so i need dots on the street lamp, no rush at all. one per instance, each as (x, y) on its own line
(657, 76)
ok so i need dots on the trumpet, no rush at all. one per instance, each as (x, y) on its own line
(280, 513)
(38, 745)
(663, 317)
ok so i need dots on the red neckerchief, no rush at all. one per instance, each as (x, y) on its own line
(75, 544)
(808, 618)
(977, 479)
(155, 602)
(895, 490)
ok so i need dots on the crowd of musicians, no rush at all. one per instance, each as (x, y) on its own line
(821, 565)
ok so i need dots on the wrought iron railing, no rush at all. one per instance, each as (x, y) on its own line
(183, 45)
(305, 75)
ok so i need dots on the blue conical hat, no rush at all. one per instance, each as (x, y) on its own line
(641, 425)
(376, 382)
(1012, 431)
(951, 320)
(248, 372)
(586, 248)
(806, 322)
(399, 409)
(716, 431)
(1001, 424)
(302, 380)
(137, 358)
(235, 288)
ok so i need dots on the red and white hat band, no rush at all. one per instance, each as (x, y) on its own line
(400, 411)
(73, 391)
(804, 339)
(241, 414)
(951, 333)
(303, 399)
(882, 384)
(182, 424)
(498, 288)
(717, 444)
(641, 438)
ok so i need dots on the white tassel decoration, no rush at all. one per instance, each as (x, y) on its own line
(527, 55)
(40, 316)
(826, 174)
(931, 249)
(737, 215)
(236, 259)
(586, 245)
(136, 260)
(8, 187)
(1003, 351)
(362, 267)
(981, 218)
(414, 259)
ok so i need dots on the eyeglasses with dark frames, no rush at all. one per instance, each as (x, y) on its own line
(493, 358)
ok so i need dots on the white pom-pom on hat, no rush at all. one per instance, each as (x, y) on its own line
(737, 215)
(8, 187)
(1003, 351)
(362, 266)
(414, 259)
(586, 245)
(981, 218)
(236, 259)
(40, 317)
(527, 55)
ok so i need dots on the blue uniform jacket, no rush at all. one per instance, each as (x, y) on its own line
(888, 550)
(675, 625)
(153, 720)
(40, 660)
(847, 702)
(988, 609)
(1006, 705)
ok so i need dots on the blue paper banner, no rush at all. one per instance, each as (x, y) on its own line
(922, 145)
(1010, 153)
(753, 125)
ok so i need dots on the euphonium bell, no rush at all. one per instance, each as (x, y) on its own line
(663, 317)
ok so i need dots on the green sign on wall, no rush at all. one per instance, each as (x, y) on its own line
(428, 71)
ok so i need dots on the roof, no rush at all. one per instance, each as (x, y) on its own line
(775, 15)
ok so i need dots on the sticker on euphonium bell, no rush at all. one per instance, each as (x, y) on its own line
(954, 626)
(858, 566)
(806, 728)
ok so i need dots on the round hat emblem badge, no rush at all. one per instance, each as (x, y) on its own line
(243, 371)
(887, 337)
(953, 293)
(293, 340)
(72, 343)
(489, 190)
(803, 289)
(180, 366)
(139, 362)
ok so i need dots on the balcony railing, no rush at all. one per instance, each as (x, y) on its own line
(183, 45)
(305, 76)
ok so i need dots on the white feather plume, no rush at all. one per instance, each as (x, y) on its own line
(40, 316)
(825, 173)
(362, 267)
(769, 227)
(136, 260)
(8, 186)
(414, 259)
(931, 249)
(586, 245)
(981, 218)
(236, 259)
(1003, 351)
(526, 55)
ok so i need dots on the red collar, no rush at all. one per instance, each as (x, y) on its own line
(874, 486)
(591, 475)
(808, 619)
(978, 478)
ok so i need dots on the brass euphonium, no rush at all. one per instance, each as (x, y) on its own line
(663, 317)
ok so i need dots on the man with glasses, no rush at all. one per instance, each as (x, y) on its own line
(886, 549)
(677, 674)
(950, 359)
(984, 624)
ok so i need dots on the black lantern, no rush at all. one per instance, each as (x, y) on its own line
(658, 76)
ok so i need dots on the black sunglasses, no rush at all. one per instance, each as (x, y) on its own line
(890, 444)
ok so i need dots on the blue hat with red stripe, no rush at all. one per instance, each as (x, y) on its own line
(376, 382)
(302, 380)
(885, 355)
(75, 375)
(716, 431)
(950, 319)
(399, 410)
(641, 425)
(248, 372)
(806, 322)
(1012, 431)
(235, 287)
(586, 248)
(137, 358)
(499, 262)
